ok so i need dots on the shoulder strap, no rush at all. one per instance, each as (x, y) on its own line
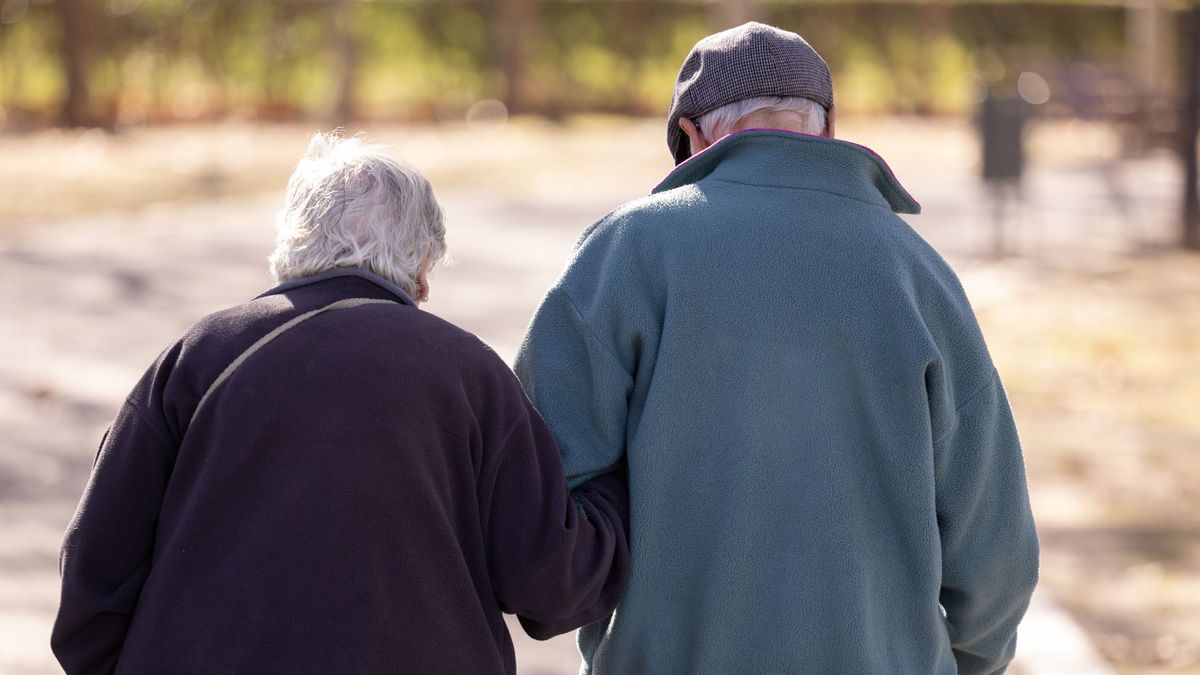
(348, 303)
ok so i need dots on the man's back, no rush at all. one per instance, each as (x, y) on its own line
(790, 371)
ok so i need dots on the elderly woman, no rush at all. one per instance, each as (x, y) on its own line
(327, 479)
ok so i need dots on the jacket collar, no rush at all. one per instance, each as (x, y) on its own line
(388, 286)
(773, 157)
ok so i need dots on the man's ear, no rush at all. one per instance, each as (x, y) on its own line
(694, 136)
(830, 117)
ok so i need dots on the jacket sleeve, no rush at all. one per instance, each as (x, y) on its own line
(558, 560)
(106, 552)
(989, 544)
(578, 384)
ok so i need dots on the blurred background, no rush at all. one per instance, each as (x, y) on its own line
(144, 145)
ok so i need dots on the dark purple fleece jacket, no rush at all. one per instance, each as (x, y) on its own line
(366, 493)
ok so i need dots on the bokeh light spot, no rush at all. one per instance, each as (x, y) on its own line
(1033, 88)
(13, 11)
(487, 117)
(190, 101)
(122, 7)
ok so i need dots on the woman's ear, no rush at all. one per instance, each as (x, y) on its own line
(694, 136)
(423, 278)
(829, 120)
(422, 286)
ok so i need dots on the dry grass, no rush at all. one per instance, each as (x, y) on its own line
(59, 173)
(1103, 369)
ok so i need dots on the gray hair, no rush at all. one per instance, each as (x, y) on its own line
(350, 204)
(717, 123)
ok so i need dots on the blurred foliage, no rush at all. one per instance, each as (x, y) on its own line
(156, 60)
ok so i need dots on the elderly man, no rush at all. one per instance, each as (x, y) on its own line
(327, 479)
(824, 472)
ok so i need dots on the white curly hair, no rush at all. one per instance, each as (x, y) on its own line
(350, 204)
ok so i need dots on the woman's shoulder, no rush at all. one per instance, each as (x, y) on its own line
(429, 338)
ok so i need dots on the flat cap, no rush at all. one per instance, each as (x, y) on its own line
(751, 60)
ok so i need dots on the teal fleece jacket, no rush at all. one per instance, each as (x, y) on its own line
(824, 472)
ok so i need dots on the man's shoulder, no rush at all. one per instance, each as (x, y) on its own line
(651, 212)
(638, 228)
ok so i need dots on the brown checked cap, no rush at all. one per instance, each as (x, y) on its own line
(751, 60)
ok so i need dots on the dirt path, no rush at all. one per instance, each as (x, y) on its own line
(88, 301)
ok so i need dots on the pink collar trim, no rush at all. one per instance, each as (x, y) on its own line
(876, 157)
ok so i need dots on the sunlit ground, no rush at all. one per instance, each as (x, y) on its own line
(1104, 372)
(113, 244)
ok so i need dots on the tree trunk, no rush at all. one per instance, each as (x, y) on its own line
(75, 37)
(934, 19)
(1189, 129)
(275, 102)
(730, 13)
(346, 55)
(1151, 45)
(516, 26)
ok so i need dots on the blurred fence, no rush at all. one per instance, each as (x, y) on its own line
(117, 63)
(113, 62)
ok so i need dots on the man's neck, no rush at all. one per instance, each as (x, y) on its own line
(784, 120)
